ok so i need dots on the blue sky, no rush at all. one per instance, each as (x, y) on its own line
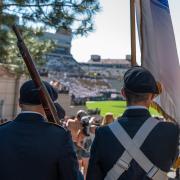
(111, 38)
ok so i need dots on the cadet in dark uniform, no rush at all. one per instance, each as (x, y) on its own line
(160, 146)
(33, 149)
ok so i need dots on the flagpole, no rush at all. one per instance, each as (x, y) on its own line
(133, 33)
(141, 33)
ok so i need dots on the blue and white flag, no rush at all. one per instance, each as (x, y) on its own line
(159, 53)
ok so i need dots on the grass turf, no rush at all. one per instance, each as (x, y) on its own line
(115, 107)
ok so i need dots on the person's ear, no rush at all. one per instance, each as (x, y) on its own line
(123, 93)
(153, 96)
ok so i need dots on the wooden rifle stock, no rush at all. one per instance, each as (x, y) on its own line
(45, 98)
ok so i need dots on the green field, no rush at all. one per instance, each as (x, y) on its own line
(116, 107)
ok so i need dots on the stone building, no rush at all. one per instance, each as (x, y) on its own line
(107, 68)
(9, 93)
(61, 59)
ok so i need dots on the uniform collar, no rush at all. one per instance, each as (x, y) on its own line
(30, 116)
(31, 112)
(137, 112)
(136, 107)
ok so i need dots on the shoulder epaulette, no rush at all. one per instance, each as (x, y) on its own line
(5, 123)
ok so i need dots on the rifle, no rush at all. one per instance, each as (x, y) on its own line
(45, 98)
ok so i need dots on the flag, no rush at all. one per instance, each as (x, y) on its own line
(159, 53)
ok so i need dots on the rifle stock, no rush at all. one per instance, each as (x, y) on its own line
(45, 98)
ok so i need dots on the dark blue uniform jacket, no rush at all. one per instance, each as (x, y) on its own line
(32, 149)
(161, 147)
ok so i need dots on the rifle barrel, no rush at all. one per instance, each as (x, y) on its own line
(46, 100)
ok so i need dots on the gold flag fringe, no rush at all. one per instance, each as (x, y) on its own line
(162, 112)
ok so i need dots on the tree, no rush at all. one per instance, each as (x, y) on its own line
(37, 48)
(76, 15)
(71, 15)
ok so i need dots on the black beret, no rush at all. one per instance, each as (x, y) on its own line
(139, 80)
(29, 94)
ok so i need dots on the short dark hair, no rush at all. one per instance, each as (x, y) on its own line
(132, 97)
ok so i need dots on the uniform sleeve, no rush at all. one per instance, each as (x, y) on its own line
(94, 170)
(175, 153)
(68, 165)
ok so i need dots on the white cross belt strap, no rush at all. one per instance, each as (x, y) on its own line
(132, 151)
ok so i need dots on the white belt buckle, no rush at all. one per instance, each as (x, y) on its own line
(152, 171)
(123, 164)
